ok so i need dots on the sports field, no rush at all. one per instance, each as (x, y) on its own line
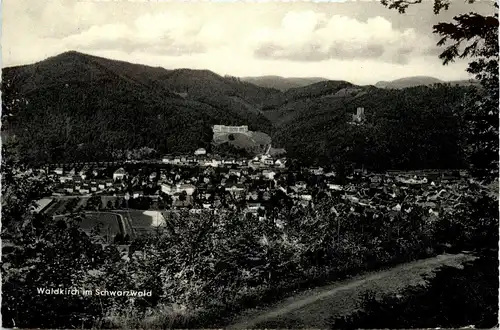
(110, 223)
(143, 221)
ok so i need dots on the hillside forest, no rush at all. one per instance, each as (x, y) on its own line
(77, 107)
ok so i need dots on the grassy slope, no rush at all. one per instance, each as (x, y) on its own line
(316, 307)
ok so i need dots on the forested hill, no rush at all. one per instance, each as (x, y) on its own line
(80, 107)
(419, 127)
(76, 106)
(281, 83)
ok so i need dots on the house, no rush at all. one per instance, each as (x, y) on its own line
(101, 185)
(253, 207)
(59, 192)
(332, 186)
(268, 174)
(279, 163)
(306, 197)
(119, 174)
(93, 188)
(268, 161)
(235, 172)
(200, 151)
(253, 195)
(83, 172)
(215, 162)
(236, 188)
(65, 178)
(301, 185)
(167, 189)
(137, 193)
(254, 164)
(303, 203)
(316, 170)
(59, 171)
(84, 190)
(168, 159)
(69, 189)
(240, 162)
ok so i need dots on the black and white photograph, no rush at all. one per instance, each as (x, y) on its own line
(249, 164)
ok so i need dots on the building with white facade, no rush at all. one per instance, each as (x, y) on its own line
(119, 174)
(200, 151)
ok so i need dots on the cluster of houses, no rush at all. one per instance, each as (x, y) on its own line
(208, 182)
(195, 188)
(86, 181)
(201, 158)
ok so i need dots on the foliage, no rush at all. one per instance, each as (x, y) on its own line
(405, 129)
(209, 264)
(472, 36)
(201, 266)
(454, 298)
(76, 107)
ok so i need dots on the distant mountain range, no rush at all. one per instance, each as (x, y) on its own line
(80, 107)
(421, 81)
(281, 83)
(284, 84)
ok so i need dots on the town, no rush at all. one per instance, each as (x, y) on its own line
(132, 198)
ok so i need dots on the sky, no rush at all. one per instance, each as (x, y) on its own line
(360, 41)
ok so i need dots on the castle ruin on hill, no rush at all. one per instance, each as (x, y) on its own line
(359, 116)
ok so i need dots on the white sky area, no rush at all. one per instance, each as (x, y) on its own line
(359, 41)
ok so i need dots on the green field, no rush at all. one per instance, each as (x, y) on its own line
(134, 221)
(110, 223)
(143, 221)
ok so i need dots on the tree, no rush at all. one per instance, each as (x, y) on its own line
(472, 36)
(183, 196)
(126, 238)
(44, 253)
(118, 238)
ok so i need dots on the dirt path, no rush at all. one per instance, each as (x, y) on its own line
(316, 307)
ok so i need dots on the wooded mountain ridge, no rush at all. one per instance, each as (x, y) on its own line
(284, 84)
(75, 106)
